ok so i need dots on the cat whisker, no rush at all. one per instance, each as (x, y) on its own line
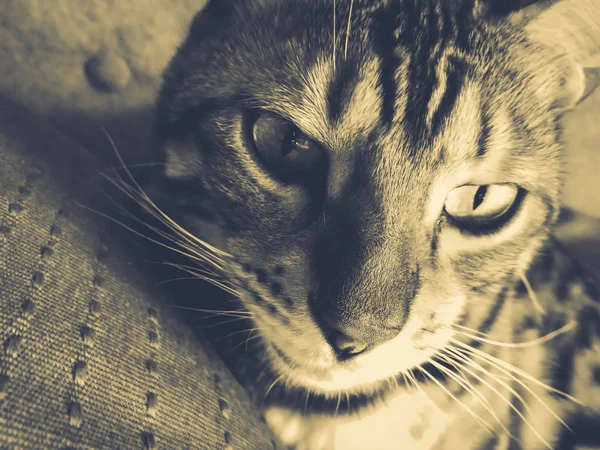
(215, 282)
(339, 401)
(405, 379)
(272, 326)
(482, 422)
(209, 311)
(219, 324)
(137, 166)
(509, 403)
(248, 339)
(128, 228)
(461, 355)
(198, 255)
(262, 372)
(348, 402)
(389, 383)
(334, 33)
(199, 270)
(189, 252)
(565, 329)
(184, 233)
(466, 384)
(200, 276)
(235, 333)
(170, 280)
(348, 30)
(470, 330)
(532, 295)
(208, 254)
(454, 354)
(212, 316)
(459, 373)
(498, 363)
(306, 400)
(272, 385)
(411, 377)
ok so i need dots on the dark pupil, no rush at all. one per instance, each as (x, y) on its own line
(289, 140)
(274, 138)
(281, 142)
(284, 149)
(479, 196)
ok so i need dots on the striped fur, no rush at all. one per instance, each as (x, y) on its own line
(408, 100)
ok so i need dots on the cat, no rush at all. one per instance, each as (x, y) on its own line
(375, 180)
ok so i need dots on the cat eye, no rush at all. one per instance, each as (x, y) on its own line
(481, 207)
(285, 150)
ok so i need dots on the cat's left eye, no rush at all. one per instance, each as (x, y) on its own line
(285, 150)
(472, 206)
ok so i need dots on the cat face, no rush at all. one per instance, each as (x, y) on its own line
(376, 181)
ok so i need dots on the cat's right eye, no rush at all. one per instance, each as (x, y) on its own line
(285, 150)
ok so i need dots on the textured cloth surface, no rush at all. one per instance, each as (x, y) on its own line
(91, 357)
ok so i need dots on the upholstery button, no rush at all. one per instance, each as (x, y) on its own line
(107, 72)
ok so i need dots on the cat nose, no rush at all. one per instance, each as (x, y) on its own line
(350, 340)
(346, 347)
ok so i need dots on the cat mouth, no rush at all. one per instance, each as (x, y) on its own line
(294, 366)
(365, 373)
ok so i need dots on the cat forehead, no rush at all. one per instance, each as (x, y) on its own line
(269, 47)
(342, 102)
(393, 65)
(334, 101)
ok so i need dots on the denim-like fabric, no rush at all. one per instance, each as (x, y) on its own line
(90, 356)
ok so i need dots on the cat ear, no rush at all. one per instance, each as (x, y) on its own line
(592, 80)
(573, 26)
(571, 29)
(212, 16)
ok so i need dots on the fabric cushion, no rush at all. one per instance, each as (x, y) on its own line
(91, 355)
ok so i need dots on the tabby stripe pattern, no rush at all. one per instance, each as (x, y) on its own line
(435, 71)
